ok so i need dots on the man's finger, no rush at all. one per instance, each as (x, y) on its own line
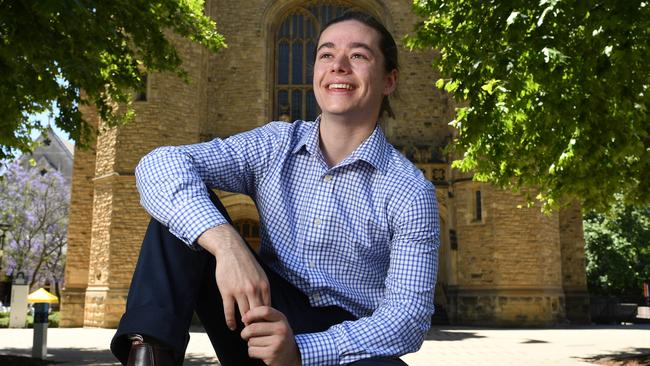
(255, 301)
(229, 312)
(263, 314)
(264, 341)
(242, 303)
(261, 329)
(266, 296)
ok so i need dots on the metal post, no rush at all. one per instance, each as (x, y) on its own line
(39, 348)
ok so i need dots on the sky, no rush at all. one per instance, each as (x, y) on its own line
(44, 118)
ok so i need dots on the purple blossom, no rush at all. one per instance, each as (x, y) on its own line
(36, 206)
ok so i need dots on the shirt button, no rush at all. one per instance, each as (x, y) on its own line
(317, 222)
(327, 178)
(316, 296)
(312, 264)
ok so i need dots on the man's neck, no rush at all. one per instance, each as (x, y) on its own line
(340, 137)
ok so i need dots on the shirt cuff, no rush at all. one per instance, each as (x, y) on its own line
(317, 349)
(194, 219)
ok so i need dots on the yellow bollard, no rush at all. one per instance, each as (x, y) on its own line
(41, 299)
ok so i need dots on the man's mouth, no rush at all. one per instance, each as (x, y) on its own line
(340, 86)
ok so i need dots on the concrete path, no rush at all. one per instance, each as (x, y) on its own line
(444, 346)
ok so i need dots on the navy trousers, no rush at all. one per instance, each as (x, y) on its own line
(172, 281)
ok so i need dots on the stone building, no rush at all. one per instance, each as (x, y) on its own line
(499, 264)
(51, 153)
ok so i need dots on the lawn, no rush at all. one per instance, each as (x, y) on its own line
(53, 320)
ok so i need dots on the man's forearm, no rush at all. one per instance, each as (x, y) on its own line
(215, 239)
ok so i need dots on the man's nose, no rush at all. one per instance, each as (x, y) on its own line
(341, 64)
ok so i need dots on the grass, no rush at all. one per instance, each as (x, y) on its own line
(53, 320)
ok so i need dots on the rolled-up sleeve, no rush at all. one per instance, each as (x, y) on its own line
(401, 321)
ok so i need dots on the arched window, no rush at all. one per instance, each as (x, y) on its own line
(295, 43)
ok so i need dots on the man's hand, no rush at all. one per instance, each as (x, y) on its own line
(240, 278)
(270, 337)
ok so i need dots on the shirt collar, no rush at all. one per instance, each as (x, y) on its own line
(309, 140)
(373, 150)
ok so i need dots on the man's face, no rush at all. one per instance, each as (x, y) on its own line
(349, 76)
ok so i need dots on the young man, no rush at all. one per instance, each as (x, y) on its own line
(349, 240)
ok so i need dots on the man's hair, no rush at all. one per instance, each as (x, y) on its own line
(387, 46)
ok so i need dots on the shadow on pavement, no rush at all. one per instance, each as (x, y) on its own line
(80, 356)
(443, 335)
(533, 341)
(11, 360)
(632, 357)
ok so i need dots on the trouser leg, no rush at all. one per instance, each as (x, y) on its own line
(171, 281)
(230, 348)
(163, 293)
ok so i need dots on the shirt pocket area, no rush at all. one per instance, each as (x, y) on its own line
(369, 240)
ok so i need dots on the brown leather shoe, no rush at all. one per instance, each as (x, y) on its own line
(149, 354)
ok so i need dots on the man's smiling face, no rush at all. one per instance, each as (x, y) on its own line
(349, 76)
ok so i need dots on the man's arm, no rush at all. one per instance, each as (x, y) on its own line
(172, 182)
(399, 324)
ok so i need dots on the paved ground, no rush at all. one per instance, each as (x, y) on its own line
(444, 346)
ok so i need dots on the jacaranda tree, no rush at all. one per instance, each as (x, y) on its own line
(35, 203)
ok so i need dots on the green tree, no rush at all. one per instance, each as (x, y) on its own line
(554, 93)
(50, 50)
(617, 248)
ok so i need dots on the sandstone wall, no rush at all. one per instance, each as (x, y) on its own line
(509, 261)
(512, 267)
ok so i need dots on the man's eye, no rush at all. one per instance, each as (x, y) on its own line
(325, 55)
(359, 56)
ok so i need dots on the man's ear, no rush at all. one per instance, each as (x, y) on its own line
(391, 82)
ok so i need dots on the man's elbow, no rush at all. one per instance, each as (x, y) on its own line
(147, 172)
(417, 339)
(148, 162)
(415, 328)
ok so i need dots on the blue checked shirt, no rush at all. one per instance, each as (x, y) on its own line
(362, 235)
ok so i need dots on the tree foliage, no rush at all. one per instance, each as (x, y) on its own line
(555, 93)
(35, 203)
(50, 50)
(617, 248)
